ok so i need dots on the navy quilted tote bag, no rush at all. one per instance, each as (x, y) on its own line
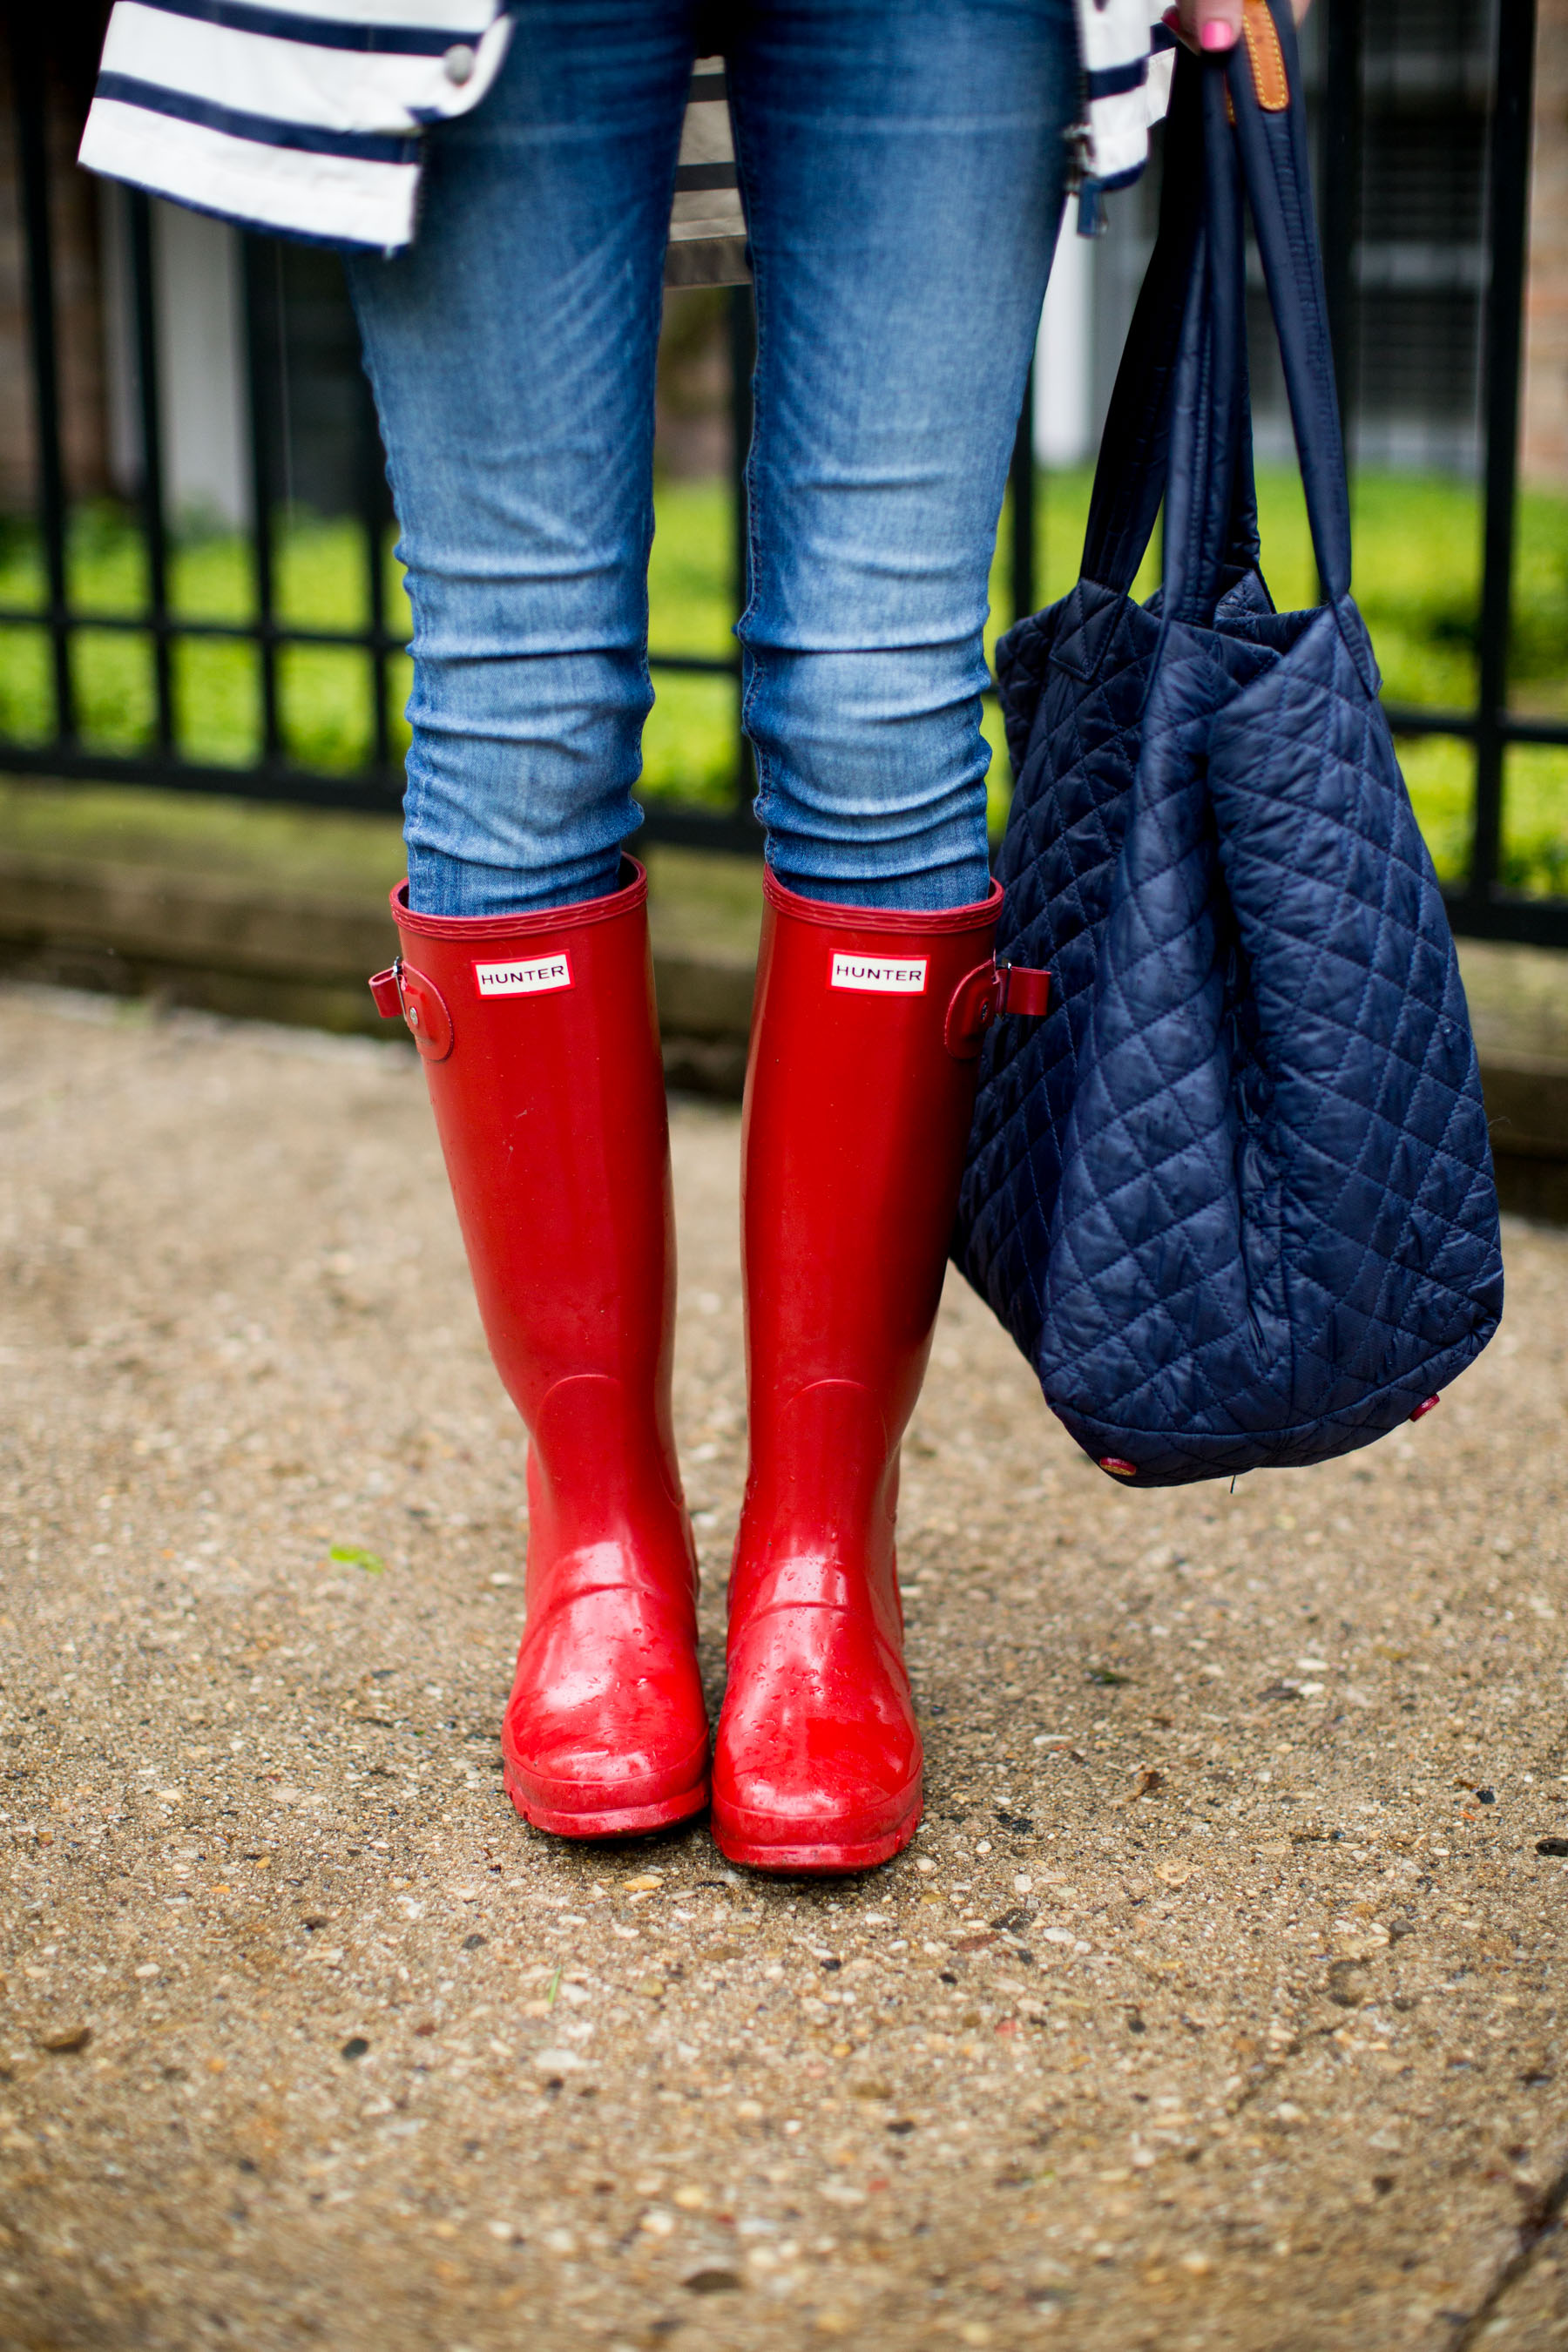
(1233, 1195)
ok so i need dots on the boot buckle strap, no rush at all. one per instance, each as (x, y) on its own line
(384, 988)
(402, 990)
(984, 995)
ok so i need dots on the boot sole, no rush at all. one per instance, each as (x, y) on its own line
(756, 1842)
(607, 1821)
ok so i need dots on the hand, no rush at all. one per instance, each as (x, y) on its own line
(1215, 24)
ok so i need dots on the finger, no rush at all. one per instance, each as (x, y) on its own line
(1213, 25)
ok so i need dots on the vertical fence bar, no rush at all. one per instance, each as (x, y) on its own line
(742, 358)
(1507, 225)
(372, 505)
(1343, 150)
(32, 143)
(262, 420)
(1022, 476)
(151, 425)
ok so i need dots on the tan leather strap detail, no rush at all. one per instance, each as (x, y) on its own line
(1265, 56)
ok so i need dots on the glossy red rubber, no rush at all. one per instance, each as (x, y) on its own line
(547, 1091)
(856, 1120)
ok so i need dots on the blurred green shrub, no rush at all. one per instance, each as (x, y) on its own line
(1416, 577)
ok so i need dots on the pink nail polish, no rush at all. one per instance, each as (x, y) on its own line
(1217, 36)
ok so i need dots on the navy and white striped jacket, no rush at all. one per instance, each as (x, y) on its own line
(304, 117)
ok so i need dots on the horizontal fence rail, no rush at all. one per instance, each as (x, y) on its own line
(1481, 904)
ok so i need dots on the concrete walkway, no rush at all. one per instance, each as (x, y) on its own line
(1219, 2003)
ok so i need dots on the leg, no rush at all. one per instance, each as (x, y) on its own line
(512, 351)
(903, 168)
(858, 1097)
(541, 1047)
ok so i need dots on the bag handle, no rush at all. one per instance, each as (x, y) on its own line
(1130, 476)
(1254, 138)
(1179, 424)
(1210, 416)
(1272, 144)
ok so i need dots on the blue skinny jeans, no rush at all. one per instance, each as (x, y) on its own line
(902, 165)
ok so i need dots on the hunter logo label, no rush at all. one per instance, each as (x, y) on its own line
(881, 975)
(534, 978)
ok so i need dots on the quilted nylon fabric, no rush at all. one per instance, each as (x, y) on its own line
(1232, 1196)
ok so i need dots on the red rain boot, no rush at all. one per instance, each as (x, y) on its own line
(858, 1098)
(540, 1046)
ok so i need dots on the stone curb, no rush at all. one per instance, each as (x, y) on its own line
(230, 948)
(253, 953)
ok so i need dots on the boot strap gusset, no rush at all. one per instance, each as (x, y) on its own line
(402, 990)
(984, 995)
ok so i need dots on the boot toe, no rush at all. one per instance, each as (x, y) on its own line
(823, 1775)
(582, 1788)
(614, 1745)
(764, 1827)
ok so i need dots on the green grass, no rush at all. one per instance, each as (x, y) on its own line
(1417, 575)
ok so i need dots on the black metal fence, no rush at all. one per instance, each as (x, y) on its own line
(1481, 904)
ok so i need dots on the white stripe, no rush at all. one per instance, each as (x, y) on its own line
(462, 19)
(373, 203)
(1119, 140)
(329, 89)
(1157, 88)
(331, 196)
(705, 135)
(1114, 35)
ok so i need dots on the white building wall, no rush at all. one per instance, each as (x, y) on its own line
(197, 284)
(1064, 354)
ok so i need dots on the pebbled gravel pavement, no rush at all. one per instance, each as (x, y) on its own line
(1217, 2003)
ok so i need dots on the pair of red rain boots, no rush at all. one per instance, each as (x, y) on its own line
(541, 1045)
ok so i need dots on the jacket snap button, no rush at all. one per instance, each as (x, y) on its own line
(458, 64)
